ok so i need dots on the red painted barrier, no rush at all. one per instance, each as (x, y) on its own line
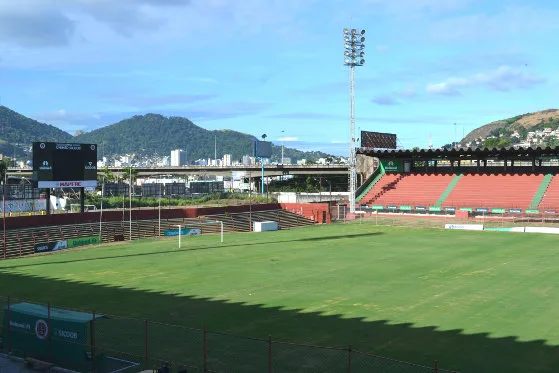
(20, 222)
(319, 212)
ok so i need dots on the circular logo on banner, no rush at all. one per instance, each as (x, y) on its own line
(42, 145)
(92, 147)
(41, 329)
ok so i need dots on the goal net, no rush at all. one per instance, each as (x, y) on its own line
(75, 207)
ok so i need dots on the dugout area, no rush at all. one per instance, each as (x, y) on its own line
(62, 337)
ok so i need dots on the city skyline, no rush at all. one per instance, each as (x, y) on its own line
(434, 69)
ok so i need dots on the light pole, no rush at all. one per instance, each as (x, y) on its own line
(353, 56)
(262, 162)
(130, 202)
(282, 146)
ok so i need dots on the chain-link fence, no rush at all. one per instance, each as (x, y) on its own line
(96, 342)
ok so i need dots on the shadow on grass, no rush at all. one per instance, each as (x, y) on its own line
(275, 242)
(455, 350)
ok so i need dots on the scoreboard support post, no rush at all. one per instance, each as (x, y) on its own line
(47, 212)
(82, 199)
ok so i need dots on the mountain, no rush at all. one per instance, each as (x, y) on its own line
(515, 131)
(18, 132)
(154, 134)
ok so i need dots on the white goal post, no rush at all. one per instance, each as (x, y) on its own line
(75, 207)
(185, 225)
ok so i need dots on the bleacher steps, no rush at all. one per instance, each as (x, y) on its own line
(538, 196)
(448, 189)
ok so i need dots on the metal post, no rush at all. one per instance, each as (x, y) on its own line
(9, 327)
(159, 231)
(179, 235)
(146, 346)
(262, 161)
(4, 213)
(92, 340)
(221, 222)
(49, 332)
(101, 213)
(269, 354)
(205, 350)
(130, 201)
(436, 369)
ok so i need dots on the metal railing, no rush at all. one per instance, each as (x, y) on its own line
(105, 343)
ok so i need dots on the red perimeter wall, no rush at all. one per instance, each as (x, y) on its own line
(21, 222)
(319, 212)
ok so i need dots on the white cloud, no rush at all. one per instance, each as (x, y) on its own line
(92, 31)
(503, 79)
(288, 139)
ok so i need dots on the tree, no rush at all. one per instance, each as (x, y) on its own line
(3, 168)
(129, 173)
(491, 143)
(503, 143)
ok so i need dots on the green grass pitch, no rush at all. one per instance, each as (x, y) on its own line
(476, 301)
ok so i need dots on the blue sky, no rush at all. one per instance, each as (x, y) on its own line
(276, 66)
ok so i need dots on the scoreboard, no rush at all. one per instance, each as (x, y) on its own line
(57, 165)
(262, 149)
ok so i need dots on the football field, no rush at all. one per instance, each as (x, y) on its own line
(474, 301)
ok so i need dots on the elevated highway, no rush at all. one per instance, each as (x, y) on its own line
(251, 170)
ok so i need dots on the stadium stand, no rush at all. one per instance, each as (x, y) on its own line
(550, 198)
(501, 191)
(415, 189)
(386, 183)
(21, 242)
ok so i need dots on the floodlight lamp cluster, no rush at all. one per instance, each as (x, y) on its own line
(354, 47)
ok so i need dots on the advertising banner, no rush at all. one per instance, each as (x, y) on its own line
(512, 229)
(183, 231)
(420, 208)
(467, 227)
(450, 209)
(541, 230)
(434, 209)
(392, 165)
(391, 207)
(51, 246)
(498, 211)
(82, 241)
(405, 208)
(515, 211)
(24, 205)
(377, 207)
(469, 209)
(482, 209)
(532, 211)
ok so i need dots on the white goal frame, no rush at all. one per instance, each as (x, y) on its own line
(77, 205)
(185, 225)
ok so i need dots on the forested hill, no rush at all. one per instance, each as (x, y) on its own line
(17, 131)
(154, 134)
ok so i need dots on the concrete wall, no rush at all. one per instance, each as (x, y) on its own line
(292, 197)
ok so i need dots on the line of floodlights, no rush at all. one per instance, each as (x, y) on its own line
(354, 47)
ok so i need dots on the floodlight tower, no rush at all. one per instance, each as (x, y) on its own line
(353, 56)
